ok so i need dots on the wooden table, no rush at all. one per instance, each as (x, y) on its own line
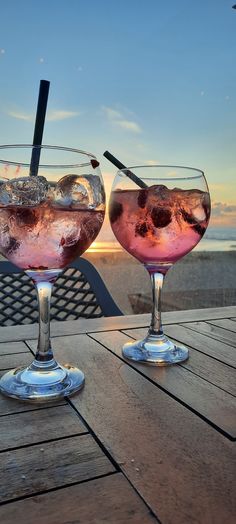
(139, 444)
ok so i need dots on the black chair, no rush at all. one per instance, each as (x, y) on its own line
(79, 291)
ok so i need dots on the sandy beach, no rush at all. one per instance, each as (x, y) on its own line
(200, 279)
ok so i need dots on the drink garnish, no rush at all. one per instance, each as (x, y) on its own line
(142, 198)
(161, 217)
(187, 217)
(192, 221)
(141, 229)
(116, 211)
(13, 244)
(94, 163)
(199, 229)
(27, 217)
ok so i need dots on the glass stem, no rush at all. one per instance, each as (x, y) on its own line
(157, 283)
(44, 350)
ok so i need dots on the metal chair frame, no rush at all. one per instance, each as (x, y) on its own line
(79, 291)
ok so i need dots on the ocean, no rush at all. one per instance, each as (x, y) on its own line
(218, 239)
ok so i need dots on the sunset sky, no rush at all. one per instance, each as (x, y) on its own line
(150, 81)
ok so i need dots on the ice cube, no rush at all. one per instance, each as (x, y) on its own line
(158, 195)
(84, 191)
(195, 206)
(29, 191)
(199, 213)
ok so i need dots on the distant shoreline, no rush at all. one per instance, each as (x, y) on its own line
(205, 245)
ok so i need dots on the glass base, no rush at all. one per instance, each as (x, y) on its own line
(155, 350)
(42, 382)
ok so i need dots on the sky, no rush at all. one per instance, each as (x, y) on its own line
(150, 81)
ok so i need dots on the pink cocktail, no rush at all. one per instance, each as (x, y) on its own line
(48, 217)
(46, 237)
(158, 224)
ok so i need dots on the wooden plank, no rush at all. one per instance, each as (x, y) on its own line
(204, 397)
(109, 499)
(14, 361)
(10, 348)
(30, 331)
(212, 331)
(182, 467)
(29, 471)
(225, 323)
(209, 346)
(10, 406)
(42, 425)
(212, 370)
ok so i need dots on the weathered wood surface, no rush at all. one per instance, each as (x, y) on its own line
(205, 398)
(10, 406)
(218, 333)
(108, 500)
(14, 361)
(211, 369)
(166, 451)
(11, 348)
(169, 430)
(224, 323)
(39, 468)
(209, 346)
(14, 333)
(39, 426)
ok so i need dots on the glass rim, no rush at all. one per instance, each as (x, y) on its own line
(46, 146)
(170, 177)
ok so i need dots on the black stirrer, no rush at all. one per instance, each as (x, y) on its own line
(128, 173)
(39, 126)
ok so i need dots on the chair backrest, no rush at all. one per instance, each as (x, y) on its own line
(79, 291)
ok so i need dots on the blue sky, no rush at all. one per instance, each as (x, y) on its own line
(148, 80)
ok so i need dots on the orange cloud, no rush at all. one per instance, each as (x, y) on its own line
(223, 214)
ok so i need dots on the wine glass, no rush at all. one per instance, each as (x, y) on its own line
(158, 223)
(51, 210)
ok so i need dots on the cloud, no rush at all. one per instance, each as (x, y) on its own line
(152, 162)
(128, 124)
(61, 115)
(223, 214)
(20, 116)
(111, 113)
(222, 208)
(52, 116)
(119, 119)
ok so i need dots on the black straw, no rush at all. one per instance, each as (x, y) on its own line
(128, 173)
(39, 126)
